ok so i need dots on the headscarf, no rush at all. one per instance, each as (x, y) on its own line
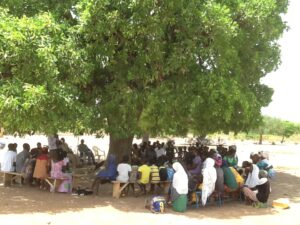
(180, 179)
(253, 179)
(209, 179)
(111, 171)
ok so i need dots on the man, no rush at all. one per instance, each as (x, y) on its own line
(84, 150)
(64, 146)
(9, 159)
(52, 142)
(22, 157)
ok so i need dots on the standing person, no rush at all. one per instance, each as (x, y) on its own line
(29, 167)
(8, 163)
(84, 150)
(160, 151)
(41, 168)
(21, 159)
(179, 188)
(53, 142)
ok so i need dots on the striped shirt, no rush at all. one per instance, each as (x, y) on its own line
(154, 174)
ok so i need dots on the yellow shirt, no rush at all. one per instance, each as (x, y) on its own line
(239, 179)
(145, 174)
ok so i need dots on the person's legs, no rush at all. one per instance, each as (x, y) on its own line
(96, 184)
(250, 194)
(91, 157)
(143, 188)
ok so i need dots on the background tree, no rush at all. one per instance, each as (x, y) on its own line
(161, 67)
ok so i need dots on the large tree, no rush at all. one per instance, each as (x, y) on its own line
(130, 67)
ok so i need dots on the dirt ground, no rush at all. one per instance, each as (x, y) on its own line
(28, 205)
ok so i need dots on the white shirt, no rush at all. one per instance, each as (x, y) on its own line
(8, 159)
(160, 152)
(52, 143)
(123, 170)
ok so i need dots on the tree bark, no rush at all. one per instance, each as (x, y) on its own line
(120, 146)
(260, 139)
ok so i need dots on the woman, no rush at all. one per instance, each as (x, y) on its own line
(219, 187)
(106, 175)
(261, 192)
(59, 170)
(179, 188)
(209, 179)
(253, 178)
(41, 168)
(231, 157)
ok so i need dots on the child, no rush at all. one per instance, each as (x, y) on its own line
(144, 176)
(41, 168)
(124, 170)
(154, 175)
(133, 175)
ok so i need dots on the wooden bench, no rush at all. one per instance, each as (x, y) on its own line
(117, 189)
(53, 181)
(9, 177)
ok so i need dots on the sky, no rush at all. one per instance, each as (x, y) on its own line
(286, 80)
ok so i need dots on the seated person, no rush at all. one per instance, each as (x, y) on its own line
(231, 157)
(195, 168)
(107, 175)
(231, 184)
(144, 176)
(8, 163)
(84, 150)
(260, 193)
(154, 175)
(209, 179)
(179, 188)
(60, 169)
(124, 170)
(220, 174)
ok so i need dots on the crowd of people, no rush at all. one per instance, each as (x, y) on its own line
(189, 169)
(56, 160)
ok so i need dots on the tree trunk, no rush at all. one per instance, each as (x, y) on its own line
(282, 140)
(145, 138)
(120, 146)
(260, 139)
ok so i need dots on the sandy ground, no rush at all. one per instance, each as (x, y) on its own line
(27, 205)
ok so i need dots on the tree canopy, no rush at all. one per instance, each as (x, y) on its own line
(130, 67)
